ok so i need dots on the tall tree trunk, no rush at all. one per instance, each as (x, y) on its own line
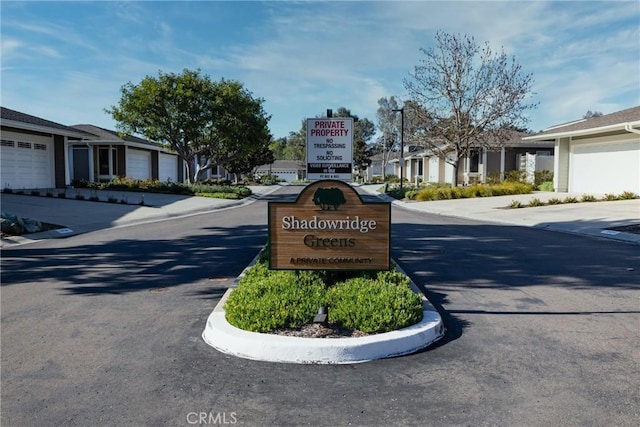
(190, 170)
(456, 168)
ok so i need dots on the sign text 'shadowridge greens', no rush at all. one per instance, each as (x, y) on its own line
(315, 224)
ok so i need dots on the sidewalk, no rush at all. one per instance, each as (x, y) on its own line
(588, 218)
(593, 219)
(81, 216)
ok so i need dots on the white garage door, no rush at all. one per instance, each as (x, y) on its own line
(611, 167)
(168, 167)
(26, 161)
(286, 175)
(138, 164)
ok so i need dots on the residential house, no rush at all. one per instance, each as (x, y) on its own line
(34, 152)
(107, 155)
(596, 155)
(424, 164)
(39, 153)
(287, 170)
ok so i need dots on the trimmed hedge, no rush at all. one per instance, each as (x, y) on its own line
(373, 306)
(267, 300)
(444, 193)
(370, 302)
(209, 188)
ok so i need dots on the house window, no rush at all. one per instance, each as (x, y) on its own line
(474, 160)
(106, 165)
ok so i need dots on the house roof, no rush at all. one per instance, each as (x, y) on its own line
(605, 123)
(280, 165)
(112, 135)
(380, 156)
(103, 136)
(16, 119)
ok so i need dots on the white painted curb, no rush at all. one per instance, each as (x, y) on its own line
(228, 339)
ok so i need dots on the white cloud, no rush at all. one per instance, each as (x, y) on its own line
(309, 56)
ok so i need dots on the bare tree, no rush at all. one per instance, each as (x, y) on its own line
(468, 98)
(389, 126)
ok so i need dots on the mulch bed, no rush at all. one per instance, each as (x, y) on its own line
(317, 330)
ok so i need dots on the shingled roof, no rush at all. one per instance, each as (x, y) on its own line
(629, 115)
(112, 135)
(7, 114)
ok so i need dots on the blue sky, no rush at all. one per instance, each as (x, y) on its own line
(66, 61)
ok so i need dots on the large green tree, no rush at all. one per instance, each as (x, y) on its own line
(471, 97)
(363, 131)
(204, 121)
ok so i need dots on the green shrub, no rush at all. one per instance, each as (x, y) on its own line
(628, 195)
(554, 201)
(588, 198)
(62, 195)
(457, 193)
(35, 193)
(493, 178)
(373, 306)
(515, 176)
(426, 194)
(433, 192)
(7, 190)
(540, 177)
(398, 193)
(546, 186)
(570, 199)
(214, 187)
(215, 181)
(368, 301)
(219, 195)
(267, 300)
(515, 204)
(376, 180)
(609, 197)
(535, 202)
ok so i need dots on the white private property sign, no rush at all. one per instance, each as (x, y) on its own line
(330, 149)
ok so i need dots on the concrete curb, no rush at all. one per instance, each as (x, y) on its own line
(228, 339)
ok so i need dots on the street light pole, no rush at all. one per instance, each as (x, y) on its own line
(401, 110)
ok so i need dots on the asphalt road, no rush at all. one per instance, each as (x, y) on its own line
(104, 329)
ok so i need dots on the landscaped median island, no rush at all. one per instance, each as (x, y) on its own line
(371, 315)
(365, 301)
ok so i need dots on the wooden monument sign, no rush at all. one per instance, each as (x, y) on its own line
(329, 227)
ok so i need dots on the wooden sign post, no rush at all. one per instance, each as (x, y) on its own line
(329, 227)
